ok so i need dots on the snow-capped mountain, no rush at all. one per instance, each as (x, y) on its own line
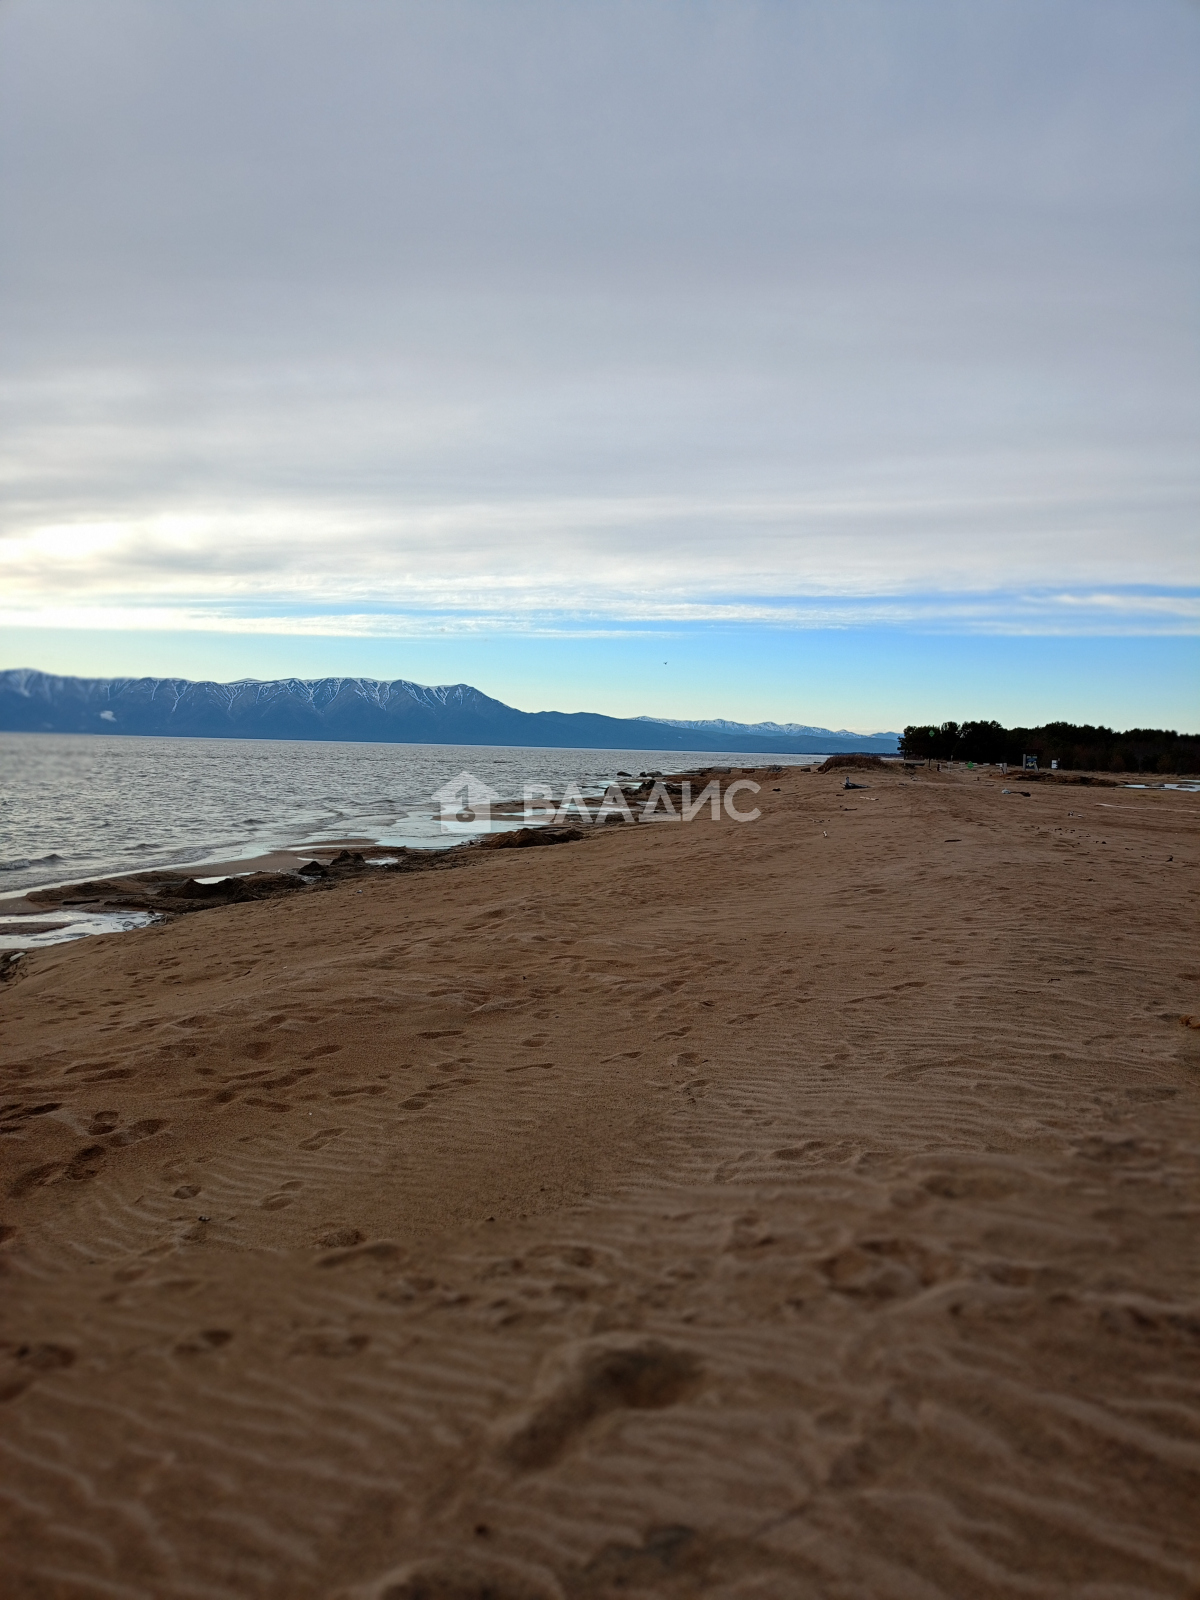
(770, 730)
(365, 709)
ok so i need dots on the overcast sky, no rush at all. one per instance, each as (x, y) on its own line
(569, 320)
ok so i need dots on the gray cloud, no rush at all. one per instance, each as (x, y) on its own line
(599, 307)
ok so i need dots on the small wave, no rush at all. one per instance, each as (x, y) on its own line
(23, 864)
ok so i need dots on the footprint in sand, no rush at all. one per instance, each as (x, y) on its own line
(798, 1152)
(885, 1268)
(579, 1255)
(137, 1131)
(31, 1361)
(89, 1066)
(84, 1164)
(321, 1138)
(283, 1196)
(15, 1115)
(583, 1381)
(331, 1346)
(104, 1122)
(341, 1238)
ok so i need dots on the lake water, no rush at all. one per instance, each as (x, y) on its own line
(79, 806)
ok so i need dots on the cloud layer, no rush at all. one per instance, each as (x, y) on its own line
(368, 317)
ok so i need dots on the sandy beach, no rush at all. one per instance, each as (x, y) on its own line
(804, 1208)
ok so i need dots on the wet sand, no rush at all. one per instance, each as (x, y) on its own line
(800, 1209)
(34, 901)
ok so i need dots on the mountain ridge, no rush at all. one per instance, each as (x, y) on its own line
(773, 730)
(386, 711)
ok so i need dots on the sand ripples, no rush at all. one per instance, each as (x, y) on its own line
(852, 1256)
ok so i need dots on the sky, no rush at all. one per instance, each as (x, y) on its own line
(831, 361)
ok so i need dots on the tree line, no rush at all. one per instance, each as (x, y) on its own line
(1078, 748)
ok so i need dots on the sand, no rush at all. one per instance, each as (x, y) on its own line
(803, 1208)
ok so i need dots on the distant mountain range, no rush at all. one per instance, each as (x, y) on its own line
(765, 730)
(364, 710)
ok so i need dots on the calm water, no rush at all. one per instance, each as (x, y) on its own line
(79, 806)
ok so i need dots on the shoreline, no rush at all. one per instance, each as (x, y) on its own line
(286, 853)
(288, 858)
(167, 891)
(244, 798)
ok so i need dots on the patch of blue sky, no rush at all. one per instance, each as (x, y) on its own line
(867, 677)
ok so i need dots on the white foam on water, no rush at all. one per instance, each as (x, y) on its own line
(77, 925)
